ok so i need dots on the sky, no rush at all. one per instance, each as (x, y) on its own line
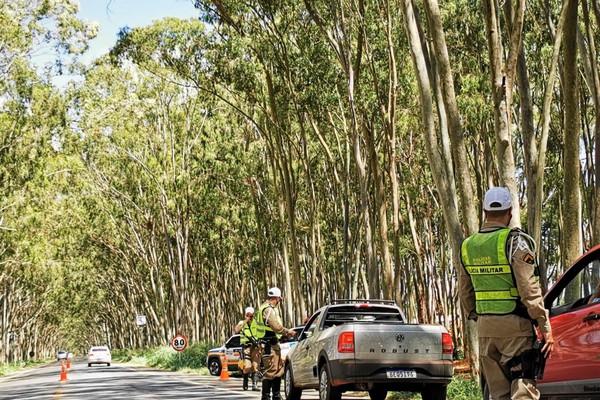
(112, 15)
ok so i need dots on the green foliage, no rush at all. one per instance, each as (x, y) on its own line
(403, 396)
(461, 388)
(6, 369)
(35, 169)
(192, 358)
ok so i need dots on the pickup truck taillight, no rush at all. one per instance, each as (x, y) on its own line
(346, 342)
(447, 345)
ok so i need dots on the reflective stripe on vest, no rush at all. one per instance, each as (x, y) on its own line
(261, 327)
(485, 260)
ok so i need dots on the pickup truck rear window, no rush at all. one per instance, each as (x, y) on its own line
(352, 313)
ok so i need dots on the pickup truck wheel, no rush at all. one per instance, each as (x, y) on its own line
(378, 393)
(214, 366)
(291, 392)
(326, 391)
(434, 392)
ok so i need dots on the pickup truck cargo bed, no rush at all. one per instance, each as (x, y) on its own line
(367, 345)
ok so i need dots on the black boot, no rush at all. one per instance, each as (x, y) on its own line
(254, 380)
(276, 387)
(266, 389)
(245, 384)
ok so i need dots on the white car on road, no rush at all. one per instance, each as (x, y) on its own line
(99, 355)
(61, 355)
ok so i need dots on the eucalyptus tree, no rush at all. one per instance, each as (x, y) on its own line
(128, 154)
(586, 43)
(371, 134)
(434, 77)
(348, 37)
(290, 113)
(535, 139)
(170, 171)
(572, 236)
(370, 104)
(32, 125)
(503, 76)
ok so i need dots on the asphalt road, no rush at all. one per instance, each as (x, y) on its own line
(122, 381)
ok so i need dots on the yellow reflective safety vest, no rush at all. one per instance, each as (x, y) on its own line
(485, 259)
(248, 333)
(262, 329)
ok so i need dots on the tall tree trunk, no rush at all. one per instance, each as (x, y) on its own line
(390, 125)
(537, 169)
(503, 77)
(462, 172)
(571, 239)
(459, 150)
(440, 175)
(594, 84)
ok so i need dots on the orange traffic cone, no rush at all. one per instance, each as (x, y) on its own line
(224, 369)
(63, 374)
(68, 364)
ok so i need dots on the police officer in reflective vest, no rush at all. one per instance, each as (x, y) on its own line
(499, 289)
(269, 331)
(249, 341)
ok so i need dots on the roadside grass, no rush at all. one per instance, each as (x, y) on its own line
(192, 359)
(461, 388)
(6, 369)
(464, 388)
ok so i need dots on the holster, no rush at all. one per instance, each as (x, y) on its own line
(532, 363)
(265, 345)
(247, 354)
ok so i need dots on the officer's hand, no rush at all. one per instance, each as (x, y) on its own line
(549, 345)
(291, 332)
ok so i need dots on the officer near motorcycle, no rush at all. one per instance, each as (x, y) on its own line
(269, 330)
(249, 341)
(499, 289)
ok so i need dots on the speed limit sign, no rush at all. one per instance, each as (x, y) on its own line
(179, 343)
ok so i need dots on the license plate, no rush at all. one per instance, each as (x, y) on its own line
(401, 373)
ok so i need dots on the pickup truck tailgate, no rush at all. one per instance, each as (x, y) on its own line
(398, 341)
(386, 351)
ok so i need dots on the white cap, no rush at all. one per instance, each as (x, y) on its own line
(249, 310)
(497, 199)
(274, 292)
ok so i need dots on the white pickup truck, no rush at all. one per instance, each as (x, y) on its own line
(367, 345)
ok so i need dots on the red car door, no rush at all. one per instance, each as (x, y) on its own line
(576, 352)
(573, 369)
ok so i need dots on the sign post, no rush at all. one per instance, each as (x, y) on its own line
(179, 343)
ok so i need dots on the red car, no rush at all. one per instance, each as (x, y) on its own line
(573, 369)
